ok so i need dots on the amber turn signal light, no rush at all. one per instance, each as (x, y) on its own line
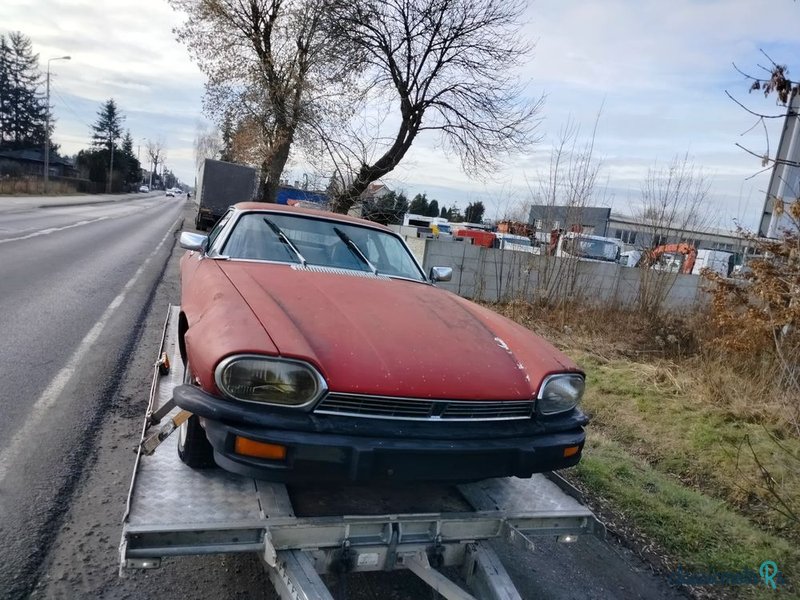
(571, 451)
(247, 447)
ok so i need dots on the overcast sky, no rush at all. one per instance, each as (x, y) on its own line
(658, 69)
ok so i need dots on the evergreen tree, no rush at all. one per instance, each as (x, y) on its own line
(433, 209)
(444, 212)
(5, 90)
(387, 209)
(170, 181)
(419, 205)
(108, 127)
(23, 109)
(128, 163)
(474, 212)
(93, 165)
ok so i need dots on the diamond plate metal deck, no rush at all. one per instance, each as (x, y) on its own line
(535, 495)
(170, 493)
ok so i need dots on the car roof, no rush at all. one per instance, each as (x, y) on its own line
(310, 212)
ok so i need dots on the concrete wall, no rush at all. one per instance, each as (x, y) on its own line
(501, 275)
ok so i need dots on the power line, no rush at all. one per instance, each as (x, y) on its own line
(68, 106)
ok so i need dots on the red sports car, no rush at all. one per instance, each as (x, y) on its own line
(317, 349)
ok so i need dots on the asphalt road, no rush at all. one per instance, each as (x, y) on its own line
(64, 484)
(74, 284)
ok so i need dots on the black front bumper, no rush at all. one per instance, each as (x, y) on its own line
(334, 448)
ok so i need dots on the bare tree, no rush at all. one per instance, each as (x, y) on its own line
(674, 203)
(158, 155)
(445, 66)
(563, 192)
(774, 80)
(207, 144)
(269, 70)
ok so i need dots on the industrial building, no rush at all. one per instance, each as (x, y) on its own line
(633, 231)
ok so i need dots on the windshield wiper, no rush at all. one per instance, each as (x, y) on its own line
(285, 239)
(355, 249)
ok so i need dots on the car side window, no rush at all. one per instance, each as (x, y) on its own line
(217, 229)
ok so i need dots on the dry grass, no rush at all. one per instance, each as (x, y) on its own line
(698, 423)
(663, 403)
(35, 186)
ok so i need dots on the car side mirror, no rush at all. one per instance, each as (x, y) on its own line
(193, 241)
(441, 274)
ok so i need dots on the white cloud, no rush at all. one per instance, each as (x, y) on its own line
(659, 70)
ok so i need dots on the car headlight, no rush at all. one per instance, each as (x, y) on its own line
(560, 393)
(276, 381)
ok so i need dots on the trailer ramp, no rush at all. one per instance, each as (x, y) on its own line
(173, 510)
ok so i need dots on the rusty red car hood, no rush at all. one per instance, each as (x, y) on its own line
(393, 337)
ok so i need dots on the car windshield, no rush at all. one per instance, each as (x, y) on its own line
(591, 248)
(295, 238)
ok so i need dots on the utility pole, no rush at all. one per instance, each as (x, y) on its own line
(47, 124)
(111, 166)
(785, 175)
(138, 150)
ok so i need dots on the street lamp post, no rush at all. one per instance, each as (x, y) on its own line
(47, 124)
(111, 165)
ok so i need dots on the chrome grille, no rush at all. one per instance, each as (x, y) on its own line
(383, 407)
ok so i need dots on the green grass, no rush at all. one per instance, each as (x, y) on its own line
(700, 533)
(687, 452)
(661, 414)
(671, 464)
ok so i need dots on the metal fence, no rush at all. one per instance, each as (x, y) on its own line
(496, 275)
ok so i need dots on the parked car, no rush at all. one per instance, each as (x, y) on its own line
(144, 188)
(170, 193)
(317, 349)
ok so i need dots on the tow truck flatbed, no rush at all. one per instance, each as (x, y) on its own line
(174, 510)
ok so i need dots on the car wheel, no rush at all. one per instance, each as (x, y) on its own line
(194, 448)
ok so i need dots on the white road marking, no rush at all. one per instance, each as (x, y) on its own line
(50, 230)
(29, 429)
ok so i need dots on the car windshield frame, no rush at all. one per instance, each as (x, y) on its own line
(218, 249)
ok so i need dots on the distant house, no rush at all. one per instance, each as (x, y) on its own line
(374, 191)
(31, 162)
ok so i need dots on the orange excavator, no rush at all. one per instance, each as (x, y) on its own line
(690, 253)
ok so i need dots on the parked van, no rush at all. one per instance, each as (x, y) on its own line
(509, 241)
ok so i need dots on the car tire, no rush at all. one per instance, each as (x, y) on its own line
(194, 448)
